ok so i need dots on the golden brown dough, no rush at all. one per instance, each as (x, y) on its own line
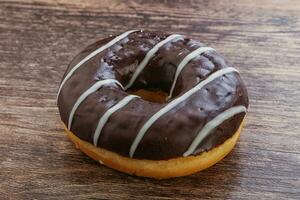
(161, 169)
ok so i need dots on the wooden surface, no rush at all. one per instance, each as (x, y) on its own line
(37, 41)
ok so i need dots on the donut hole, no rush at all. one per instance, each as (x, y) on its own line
(155, 95)
(228, 94)
(201, 109)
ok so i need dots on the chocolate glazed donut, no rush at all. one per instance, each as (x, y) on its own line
(205, 104)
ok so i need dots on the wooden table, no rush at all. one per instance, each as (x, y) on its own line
(39, 38)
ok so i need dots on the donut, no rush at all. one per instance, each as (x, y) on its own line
(152, 104)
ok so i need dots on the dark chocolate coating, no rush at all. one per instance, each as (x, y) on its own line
(171, 135)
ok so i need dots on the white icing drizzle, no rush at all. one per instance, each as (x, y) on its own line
(109, 44)
(101, 162)
(89, 91)
(108, 113)
(219, 119)
(148, 56)
(184, 62)
(174, 103)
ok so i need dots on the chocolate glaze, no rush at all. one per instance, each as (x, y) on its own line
(171, 135)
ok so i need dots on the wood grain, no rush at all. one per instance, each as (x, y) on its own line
(39, 38)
